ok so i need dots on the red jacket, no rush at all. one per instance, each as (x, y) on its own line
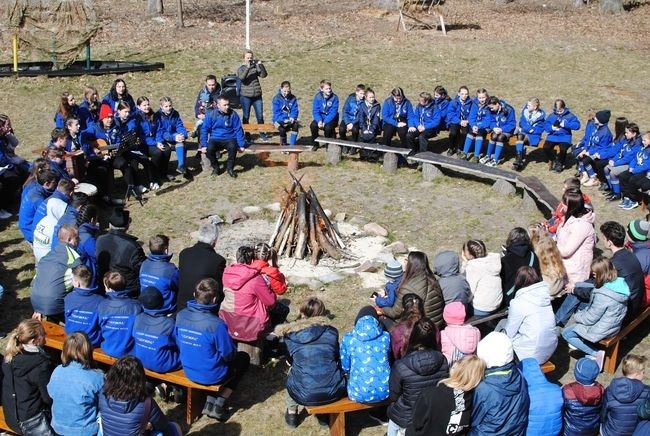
(275, 278)
(247, 299)
(558, 216)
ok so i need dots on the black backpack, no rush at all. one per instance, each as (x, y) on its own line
(230, 88)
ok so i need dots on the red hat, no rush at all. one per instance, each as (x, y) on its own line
(105, 111)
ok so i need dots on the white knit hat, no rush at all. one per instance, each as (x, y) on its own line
(495, 349)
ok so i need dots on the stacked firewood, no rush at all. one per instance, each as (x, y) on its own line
(303, 228)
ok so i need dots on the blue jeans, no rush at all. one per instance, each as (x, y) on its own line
(482, 313)
(394, 429)
(574, 339)
(256, 102)
(570, 305)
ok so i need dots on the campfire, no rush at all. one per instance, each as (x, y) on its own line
(303, 229)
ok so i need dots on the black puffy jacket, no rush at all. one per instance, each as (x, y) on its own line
(118, 251)
(409, 376)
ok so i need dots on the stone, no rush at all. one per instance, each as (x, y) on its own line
(339, 217)
(333, 154)
(329, 277)
(503, 187)
(529, 201)
(328, 213)
(376, 229)
(369, 266)
(250, 210)
(206, 166)
(235, 216)
(430, 172)
(274, 207)
(397, 247)
(390, 162)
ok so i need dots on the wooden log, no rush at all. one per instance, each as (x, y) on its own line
(303, 227)
(313, 241)
(390, 162)
(327, 247)
(276, 230)
(283, 229)
(285, 236)
(292, 231)
(316, 207)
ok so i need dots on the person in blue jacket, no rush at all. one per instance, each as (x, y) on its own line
(423, 123)
(623, 397)
(635, 179)
(32, 196)
(159, 272)
(206, 102)
(171, 131)
(590, 118)
(621, 162)
(88, 224)
(116, 316)
(369, 119)
(154, 334)
(71, 213)
(458, 120)
(501, 403)
(442, 102)
(316, 376)
(395, 113)
(349, 120)
(365, 357)
(158, 151)
(600, 146)
(132, 154)
(529, 132)
(618, 141)
(502, 127)
(89, 107)
(285, 113)
(558, 127)
(68, 108)
(325, 110)
(480, 120)
(118, 94)
(222, 129)
(545, 410)
(208, 353)
(61, 197)
(394, 274)
(81, 306)
(583, 400)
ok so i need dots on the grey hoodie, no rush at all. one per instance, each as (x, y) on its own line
(453, 284)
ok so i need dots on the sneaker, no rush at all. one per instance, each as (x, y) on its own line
(323, 419)
(600, 358)
(624, 202)
(584, 178)
(264, 137)
(181, 170)
(631, 205)
(170, 177)
(451, 152)
(474, 159)
(613, 197)
(208, 407)
(291, 418)
(491, 163)
(558, 167)
(469, 156)
(461, 155)
(154, 186)
(571, 347)
(604, 187)
(4, 215)
(219, 412)
(593, 181)
(484, 160)
(140, 189)
(176, 393)
(161, 391)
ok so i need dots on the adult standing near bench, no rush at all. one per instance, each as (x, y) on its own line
(206, 102)
(249, 73)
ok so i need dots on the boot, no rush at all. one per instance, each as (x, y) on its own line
(558, 166)
(519, 162)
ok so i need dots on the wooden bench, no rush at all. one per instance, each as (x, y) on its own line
(611, 343)
(337, 411)
(249, 128)
(293, 151)
(196, 393)
(3, 423)
(390, 153)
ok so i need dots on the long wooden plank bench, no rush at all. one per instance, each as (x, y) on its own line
(337, 411)
(196, 393)
(390, 153)
(611, 344)
(293, 151)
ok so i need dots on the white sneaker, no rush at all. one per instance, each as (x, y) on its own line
(485, 159)
(491, 163)
(4, 215)
(153, 186)
(170, 177)
(263, 137)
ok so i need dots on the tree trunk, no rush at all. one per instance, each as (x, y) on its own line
(611, 6)
(155, 8)
(179, 21)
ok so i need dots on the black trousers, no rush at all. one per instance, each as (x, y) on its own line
(631, 184)
(329, 129)
(390, 131)
(159, 161)
(457, 135)
(214, 148)
(550, 154)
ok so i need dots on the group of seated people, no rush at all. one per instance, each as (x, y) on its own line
(415, 333)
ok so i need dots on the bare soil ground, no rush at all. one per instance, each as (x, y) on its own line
(523, 49)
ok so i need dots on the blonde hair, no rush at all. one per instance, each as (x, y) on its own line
(466, 373)
(26, 331)
(633, 364)
(550, 259)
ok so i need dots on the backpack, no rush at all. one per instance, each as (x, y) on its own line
(231, 87)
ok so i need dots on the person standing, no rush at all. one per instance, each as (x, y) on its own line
(222, 129)
(249, 73)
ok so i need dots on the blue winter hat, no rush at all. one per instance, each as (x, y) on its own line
(393, 269)
(586, 371)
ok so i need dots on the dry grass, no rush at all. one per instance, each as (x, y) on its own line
(518, 52)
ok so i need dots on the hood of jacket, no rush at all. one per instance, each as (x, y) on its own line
(304, 331)
(23, 366)
(537, 294)
(619, 285)
(503, 379)
(85, 291)
(367, 329)
(614, 295)
(165, 257)
(519, 248)
(446, 264)
(424, 362)
(588, 395)
(490, 264)
(626, 390)
(235, 276)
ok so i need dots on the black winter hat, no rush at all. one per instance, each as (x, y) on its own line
(119, 218)
(151, 298)
(603, 116)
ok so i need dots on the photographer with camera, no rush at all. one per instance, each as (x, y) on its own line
(251, 91)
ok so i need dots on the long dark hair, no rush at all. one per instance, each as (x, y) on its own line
(619, 128)
(417, 264)
(113, 92)
(423, 336)
(125, 380)
(526, 276)
(575, 204)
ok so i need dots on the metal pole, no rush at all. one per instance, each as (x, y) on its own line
(15, 51)
(88, 55)
(248, 24)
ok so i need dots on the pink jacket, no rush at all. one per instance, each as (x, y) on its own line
(247, 299)
(576, 239)
(463, 337)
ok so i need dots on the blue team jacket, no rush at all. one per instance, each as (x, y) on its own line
(325, 109)
(222, 127)
(81, 313)
(116, 317)
(284, 107)
(159, 272)
(155, 341)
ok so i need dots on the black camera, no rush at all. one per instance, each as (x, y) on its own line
(254, 62)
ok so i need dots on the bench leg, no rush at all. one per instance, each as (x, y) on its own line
(292, 162)
(333, 154)
(390, 162)
(195, 402)
(430, 172)
(611, 354)
(337, 424)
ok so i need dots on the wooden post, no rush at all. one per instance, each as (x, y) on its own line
(337, 424)
(179, 21)
(15, 52)
(292, 162)
(333, 154)
(195, 400)
(390, 162)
